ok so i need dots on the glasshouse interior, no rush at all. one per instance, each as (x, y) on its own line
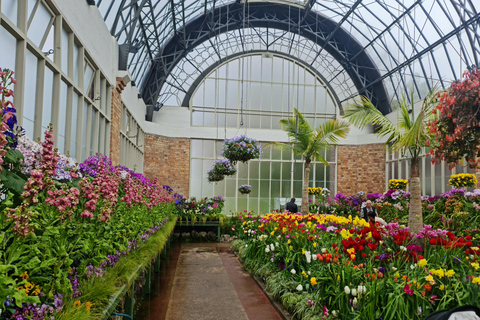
(240, 159)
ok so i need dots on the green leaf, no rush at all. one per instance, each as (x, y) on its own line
(12, 181)
(5, 268)
(32, 263)
(20, 298)
(13, 156)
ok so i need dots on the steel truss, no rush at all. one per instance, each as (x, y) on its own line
(157, 36)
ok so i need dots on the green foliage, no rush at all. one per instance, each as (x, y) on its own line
(100, 290)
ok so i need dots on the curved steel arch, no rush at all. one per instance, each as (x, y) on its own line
(313, 26)
(205, 73)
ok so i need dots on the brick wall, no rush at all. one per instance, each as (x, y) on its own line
(361, 168)
(115, 121)
(169, 160)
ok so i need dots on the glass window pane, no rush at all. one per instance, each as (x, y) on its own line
(62, 117)
(208, 148)
(73, 137)
(31, 6)
(88, 77)
(9, 49)
(265, 170)
(84, 129)
(196, 148)
(64, 51)
(31, 88)
(75, 63)
(254, 165)
(47, 99)
(94, 128)
(40, 22)
(9, 9)
(49, 44)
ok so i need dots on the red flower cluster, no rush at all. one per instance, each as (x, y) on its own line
(455, 130)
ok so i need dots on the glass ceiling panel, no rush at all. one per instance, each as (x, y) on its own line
(411, 43)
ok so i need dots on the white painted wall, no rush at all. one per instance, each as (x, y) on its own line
(175, 122)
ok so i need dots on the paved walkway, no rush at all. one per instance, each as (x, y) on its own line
(208, 284)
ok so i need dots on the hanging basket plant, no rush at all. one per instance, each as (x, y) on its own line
(220, 169)
(245, 189)
(241, 148)
(455, 131)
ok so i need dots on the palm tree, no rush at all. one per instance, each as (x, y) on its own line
(409, 135)
(309, 143)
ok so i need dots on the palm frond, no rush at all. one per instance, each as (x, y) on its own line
(363, 112)
(280, 146)
(404, 120)
(417, 135)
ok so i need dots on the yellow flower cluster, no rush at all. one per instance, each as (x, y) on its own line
(397, 184)
(462, 180)
(442, 273)
(315, 191)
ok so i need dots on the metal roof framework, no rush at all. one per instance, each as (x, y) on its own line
(377, 48)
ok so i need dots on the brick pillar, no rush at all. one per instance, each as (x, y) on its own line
(116, 121)
(168, 159)
(361, 168)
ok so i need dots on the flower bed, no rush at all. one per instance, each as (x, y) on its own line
(194, 209)
(63, 225)
(343, 268)
(67, 230)
(451, 210)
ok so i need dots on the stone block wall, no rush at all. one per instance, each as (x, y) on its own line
(361, 168)
(168, 159)
(116, 121)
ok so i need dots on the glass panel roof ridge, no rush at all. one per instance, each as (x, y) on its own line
(394, 46)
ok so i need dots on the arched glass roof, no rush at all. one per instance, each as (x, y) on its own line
(377, 48)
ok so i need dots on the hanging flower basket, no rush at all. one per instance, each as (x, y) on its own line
(241, 149)
(245, 189)
(220, 169)
(454, 131)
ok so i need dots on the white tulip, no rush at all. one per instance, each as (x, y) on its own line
(354, 292)
(347, 290)
(324, 250)
(299, 287)
(361, 290)
(293, 271)
(355, 301)
(394, 269)
(267, 249)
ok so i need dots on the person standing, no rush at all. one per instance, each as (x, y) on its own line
(368, 208)
(291, 206)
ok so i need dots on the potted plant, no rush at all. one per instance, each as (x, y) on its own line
(397, 184)
(220, 169)
(462, 180)
(455, 130)
(315, 191)
(245, 189)
(241, 149)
